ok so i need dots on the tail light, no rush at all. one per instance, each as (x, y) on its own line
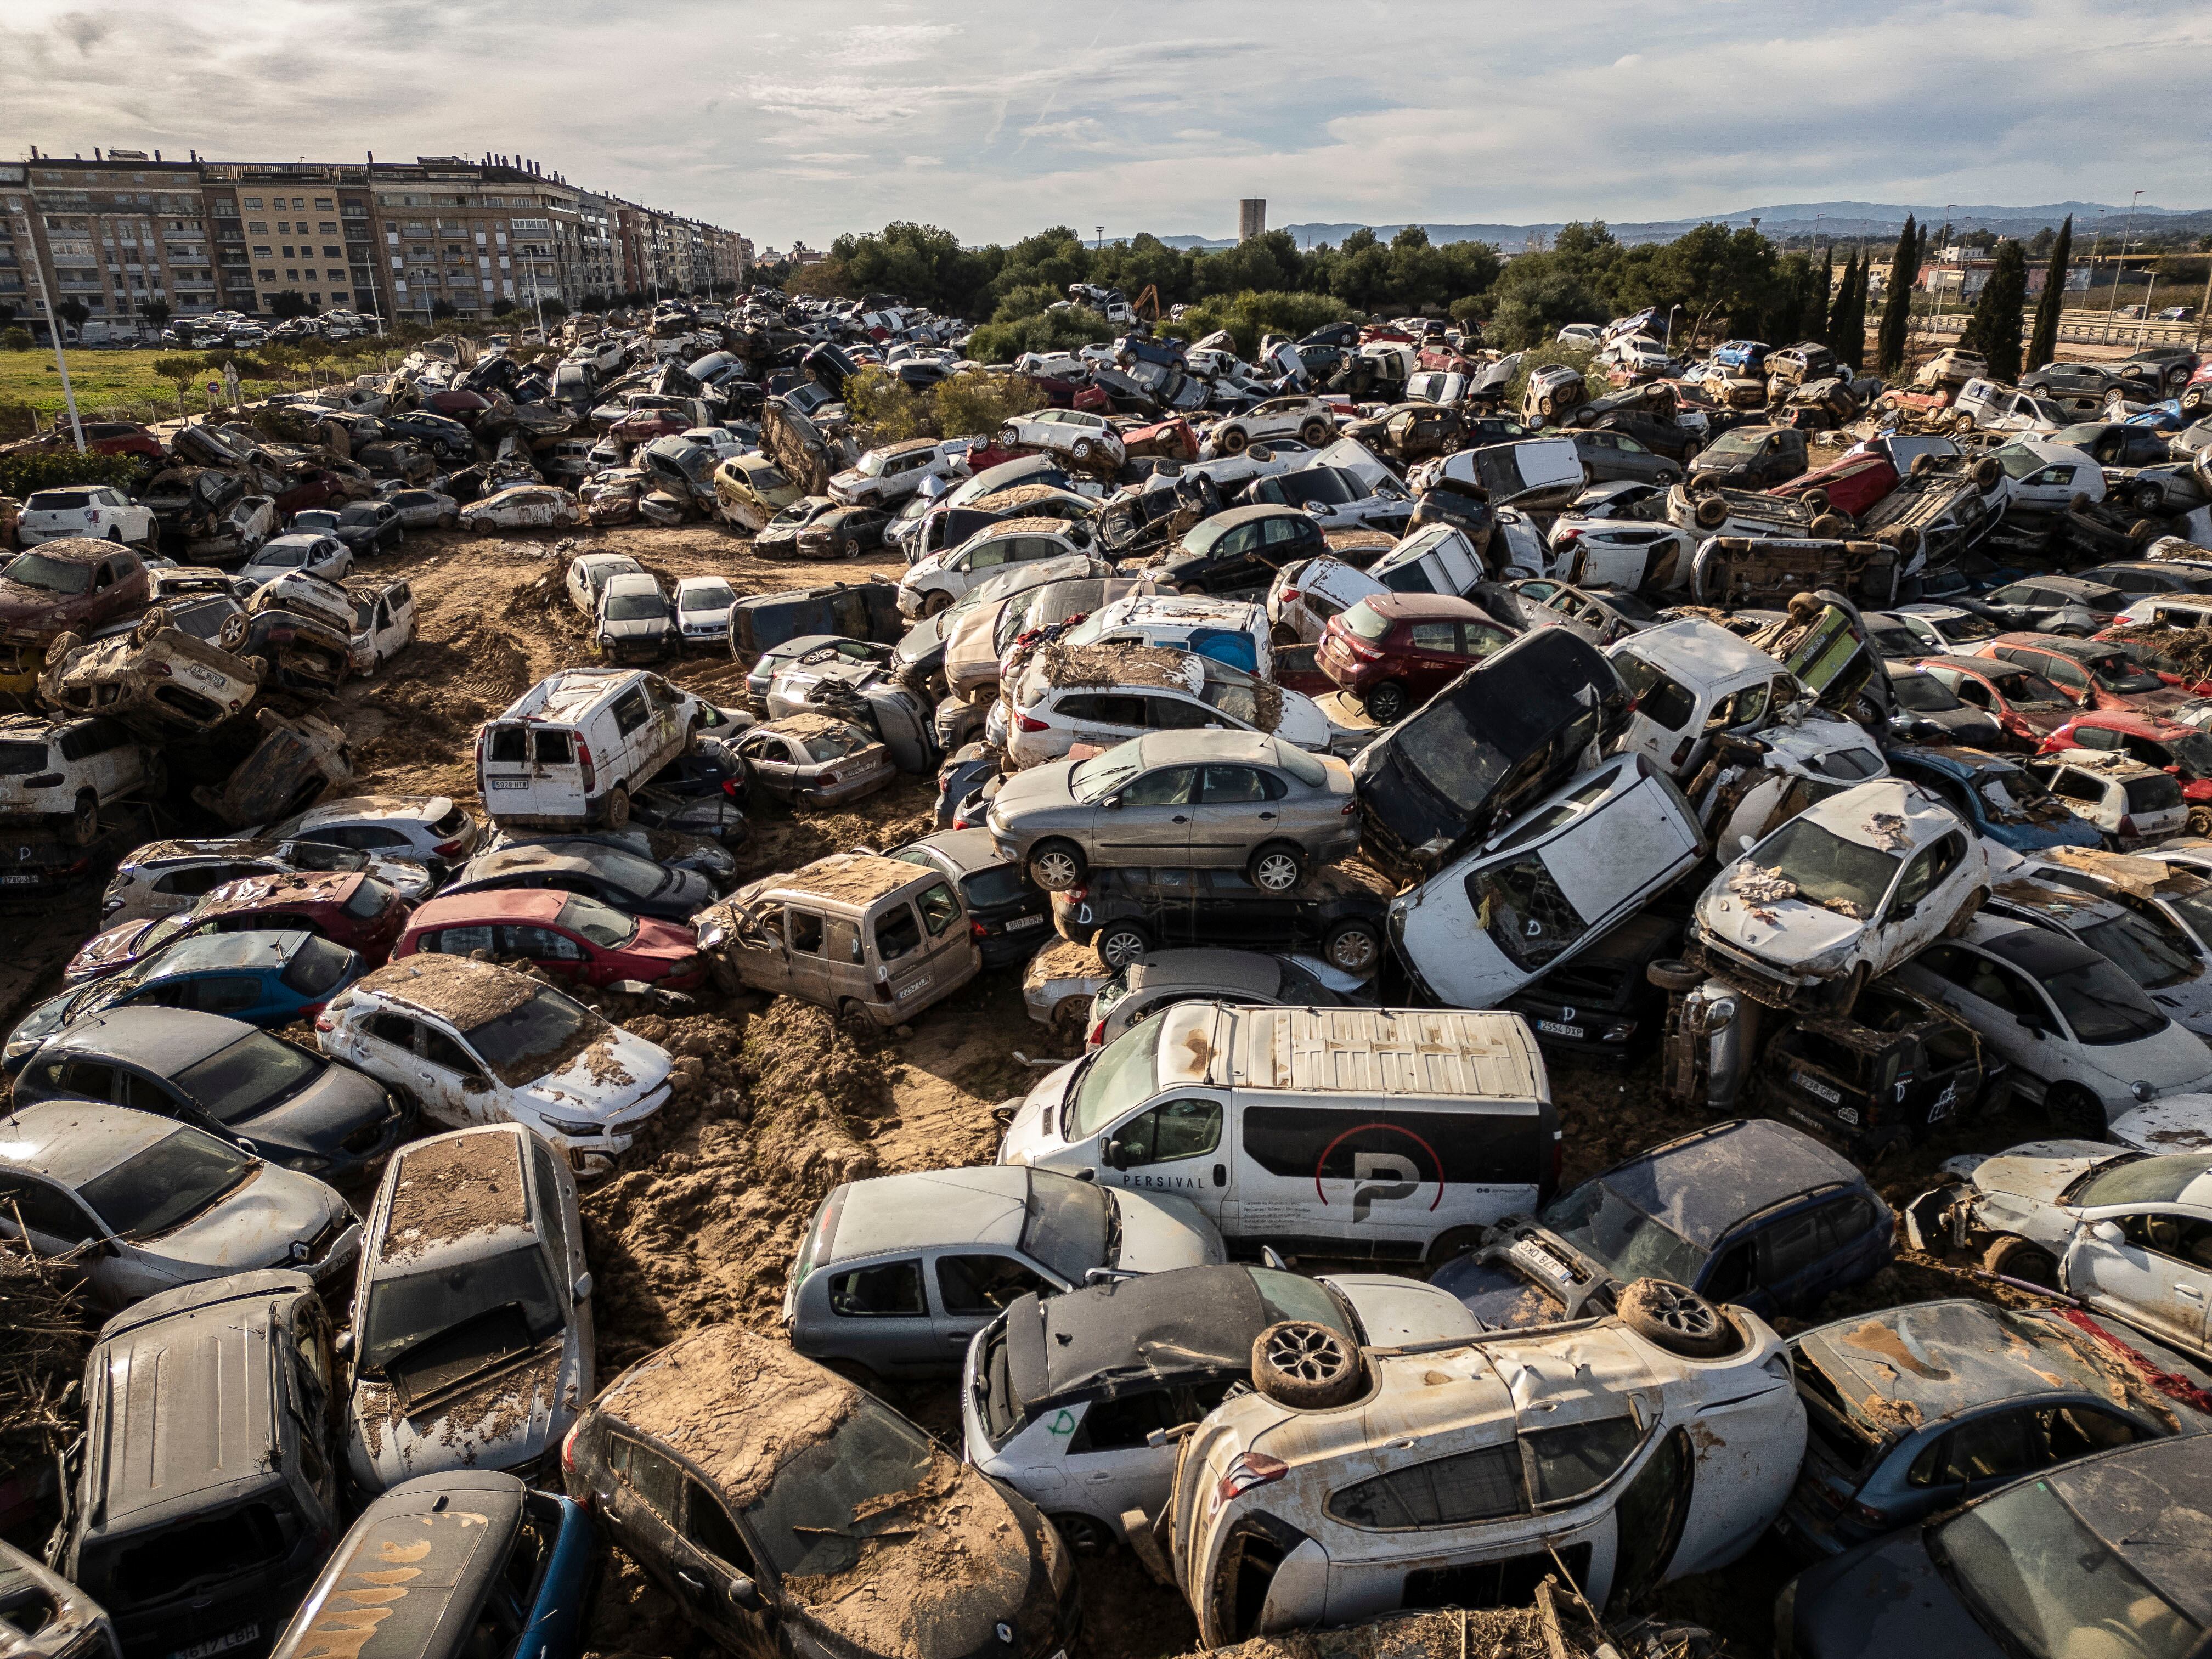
(480, 748)
(883, 991)
(584, 760)
(447, 849)
(1074, 895)
(324, 1022)
(2127, 825)
(1030, 723)
(1096, 1034)
(1289, 595)
(825, 780)
(1871, 1516)
(1364, 651)
(1251, 1470)
(568, 1446)
(1348, 808)
(1561, 537)
(161, 670)
(44, 780)
(977, 930)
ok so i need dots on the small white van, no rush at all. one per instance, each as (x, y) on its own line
(573, 750)
(1391, 1133)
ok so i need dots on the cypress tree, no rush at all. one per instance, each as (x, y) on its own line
(1994, 330)
(1827, 281)
(1854, 348)
(2042, 344)
(1897, 303)
(1839, 312)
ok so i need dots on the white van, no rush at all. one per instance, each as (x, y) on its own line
(571, 751)
(1393, 1133)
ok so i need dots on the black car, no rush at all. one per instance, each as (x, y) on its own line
(856, 611)
(2108, 1553)
(1750, 458)
(2114, 443)
(843, 532)
(1240, 551)
(1609, 454)
(1122, 912)
(443, 436)
(1014, 917)
(250, 1087)
(632, 883)
(1507, 731)
(363, 526)
(2075, 382)
(1600, 1003)
(2156, 372)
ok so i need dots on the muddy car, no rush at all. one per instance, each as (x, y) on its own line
(1898, 1068)
(472, 1344)
(1537, 1456)
(156, 672)
(71, 586)
(809, 1516)
(63, 773)
(521, 506)
(815, 760)
(1734, 571)
(1942, 507)
(298, 761)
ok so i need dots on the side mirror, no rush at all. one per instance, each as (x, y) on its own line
(1112, 1156)
(743, 1593)
(582, 1288)
(249, 1149)
(2031, 1025)
(1114, 801)
(1745, 842)
(2107, 1233)
(345, 1345)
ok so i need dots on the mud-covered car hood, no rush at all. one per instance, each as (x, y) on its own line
(1035, 1113)
(615, 1073)
(1789, 932)
(2042, 1169)
(509, 1419)
(254, 1225)
(30, 608)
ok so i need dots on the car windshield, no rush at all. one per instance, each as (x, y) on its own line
(1741, 444)
(1118, 1077)
(441, 1324)
(807, 1509)
(626, 870)
(2019, 461)
(1623, 1240)
(276, 557)
(167, 1184)
(314, 520)
(317, 967)
(636, 607)
(601, 924)
(1324, 484)
(1101, 774)
(2030, 1571)
(2102, 1006)
(522, 1044)
(765, 477)
(1925, 694)
(1964, 628)
(872, 463)
(1068, 1225)
(2027, 690)
(835, 745)
(2152, 953)
(2116, 670)
(714, 597)
(50, 575)
(362, 513)
(1826, 866)
(249, 1077)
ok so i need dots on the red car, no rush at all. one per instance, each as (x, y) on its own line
(463, 406)
(570, 935)
(643, 426)
(1395, 651)
(1851, 485)
(2182, 752)
(345, 907)
(2088, 673)
(110, 437)
(2027, 706)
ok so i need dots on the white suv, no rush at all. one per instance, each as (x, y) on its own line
(931, 583)
(889, 474)
(2132, 803)
(99, 510)
(1308, 419)
(67, 770)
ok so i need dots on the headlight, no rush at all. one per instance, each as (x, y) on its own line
(606, 641)
(566, 1126)
(712, 936)
(306, 1163)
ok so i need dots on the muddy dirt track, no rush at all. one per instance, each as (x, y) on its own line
(776, 1104)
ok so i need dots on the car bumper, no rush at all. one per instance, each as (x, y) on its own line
(910, 602)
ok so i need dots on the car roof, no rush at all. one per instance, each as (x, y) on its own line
(1408, 606)
(460, 1196)
(966, 850)
(426, 808)
(2036, 952)
(1954, 760)
(1854, 814)
(1961, 663)
(165, 1040)
(459, 989)
(1124, 1334)
(1250, 971)
(1706, 1183)
(1697, 644)
(249, 948)
(495, 903)
(855, 879)
(1222, 747)
(1436, 1053)
(985, 1204)
(73, 1141)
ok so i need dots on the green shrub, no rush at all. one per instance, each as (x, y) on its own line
(1247, 315)
(1048, 331)
(885, 409)
(15, 339)
(48, 469)
(974, 405)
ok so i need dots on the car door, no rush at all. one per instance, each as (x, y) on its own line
(58, 1227)
(1150, 820)
(1111, 1464)
(2152, 1267)
(643, 1507)
(1179, 1145)
(716, 1574)
(1914, 913)
(1433, 659)
(806, 936)
(879, 1315)
(1238, 806)
(768, 756)
(455, 1076)
(563, 957)
(2006, 1009)
(970, 1287)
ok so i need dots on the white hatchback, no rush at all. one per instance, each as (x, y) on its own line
(100, 511)
(588, 574)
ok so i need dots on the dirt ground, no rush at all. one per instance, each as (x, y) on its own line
(776, 1103)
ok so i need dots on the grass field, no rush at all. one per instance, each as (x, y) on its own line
(116, 385)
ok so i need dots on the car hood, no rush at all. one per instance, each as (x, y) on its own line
(615, 1073)
(2038, 1171)
(1885, 1596)
(254, 1225)
(507, 1419)
(1039, 789)
(923, 638)
(21, 606)
(1788, 932)
(633, 627)
(1303, 723)
(1160, 1232)
(322, 1115)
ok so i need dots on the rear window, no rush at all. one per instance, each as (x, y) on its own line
(2156, 793)
(218, 1550)
(1366, 622)
(369, 899)
(316, 967)
(453, 822)
(19, 760)
(1658, 695)
(58, 501)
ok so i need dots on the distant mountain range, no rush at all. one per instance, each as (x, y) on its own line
(1844, 220)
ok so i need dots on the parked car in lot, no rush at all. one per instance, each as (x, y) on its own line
(1996, 1394)
(589, 573)
(1749, 458)
(2090, 673)
(2132, 804)
(365, 527)
(814, 760)
(1126, 913)
(1928, 711)
(425, 509)
(1395, 651)
(522, 506)
(472, 1344)
(2027, 707)
(309, 553)
(804, 1543)
(570, 937)
(933, 583)
(354, 911)
(1067, 1399)
(96, 511)
(64, 772)
(897, 1273)
(702, 610)
(161, 1204)
(1239, 552)
(1107, 694)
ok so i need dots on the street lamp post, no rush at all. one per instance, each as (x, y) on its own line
(2112, 304)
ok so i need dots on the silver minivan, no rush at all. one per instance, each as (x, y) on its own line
(870, 937)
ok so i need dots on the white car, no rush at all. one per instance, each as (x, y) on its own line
(1552, 881)
(1638, 555)
(1305, 595)
(2083, 1038)
(1052, 707)
(473, 1042)
(702, 610)
(2132, 803)
(1078, 1434)
(2044, 478)
(324, 557)
(588, 574)
(1234, 631)
(383, 623)
(522, 506)
(424, 828)
(1579, 334)
(1638, 352)
(1839, 894)
(2129, 1236)
(1988, 407)
(1311, 420)
(1945, 630)
(2121, 918)
(1380, 1479)
(66, 770)
(102, 512)
(1085, 439)
(891, 473)
(931, 584)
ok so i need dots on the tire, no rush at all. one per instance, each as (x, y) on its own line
(2015, 1257)
(447, 520)
(1711, 512)
(1386, 702)
(1277, 868)
(1923, 466)
(2200, 821)
(1315, 433)
(1008, 437)
(1056, 866)
(1829, 527)
(1080, 449)
(849, 548)
(1120, 943)
(1304, 1365)
(1454, 1242)
(1843, 995)
(1672, 973)
(84, 820)
(1086, 1535)
(1816, 501)
(1967, 912)
(619, 808)
(2143, 530)
(1676, 1318)
(935, 603)
(1353, 947)
(2075, 1110)
(853, 1013)
(115, 534)
(1232, 440)
(1986, 472)
(1962, 424)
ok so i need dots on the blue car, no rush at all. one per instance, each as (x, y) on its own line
(2160, 417)
(268, 979)
(1741, 358)
(1748, 1211)
(456, 1565)
(1996, 796)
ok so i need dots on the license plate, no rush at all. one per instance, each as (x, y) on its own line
(1024, 921)
(20, 881)
(922, 984)
(1813, 1085)
(237, 1638)
(1556, 1029)
(204, 675)
(510, 783)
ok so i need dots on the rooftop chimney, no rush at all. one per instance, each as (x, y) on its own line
(157, 155)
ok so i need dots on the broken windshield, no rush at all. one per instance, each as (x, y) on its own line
(52, 575)
(1825, 866)
(1619, 1237)
(431, 1329)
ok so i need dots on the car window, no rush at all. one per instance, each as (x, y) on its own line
(629, 710)
(1234, 785)
(939, 907)
(1173, 1129)
(1986, 1448)
(1123, 1422)
(395, 1029)
(898, 933)
(548, 1195)
(1436, 636)
(1474, 1486)
(45, 1209)
(889, 1290)
(985, 1283)
(708, 1525)
(1169, 786)
(1927, 871)
(653, 1476)
(805, 932)
(2179, 1237)
(442, 1048)
(1790, 1246)
(1994, 982)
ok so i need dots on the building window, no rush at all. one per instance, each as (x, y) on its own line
(322, 204)
(253, 204)
(258, 226)
(291, 276)
(261, 252)
(287, 251)
(266, 276)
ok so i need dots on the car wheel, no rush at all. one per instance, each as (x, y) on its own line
(1008, 437)
(618, 809)
(2075, 1110)
(1676, 1318)
(1056, 866)
(1231, 440)
(1302, 1363)
(2200, 820)
(1278, 867)
(1086, 1535)
(84, 820)
(1672, 973)
(2014, 1257)
(1353, 947)
(1120, 943)
(850, 547)
(1315, 433)
(1456, 1242)
(1842, 995)
(447, 520)
(935, 603)
(1386, 703)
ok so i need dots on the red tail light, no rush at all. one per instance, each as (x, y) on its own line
(2127, 826)
(584, 760)
(1074, 895)
(1097, 1034)
(730, 787)
(883, 991)
(325, 1022)
(1289, 595)
(1366, 652)
(1566, 536)
(1348, 808)
(1250, 1470)
(977, 930)
(568, 1446)
(825, 780)
(447, 849)
(1030, 723)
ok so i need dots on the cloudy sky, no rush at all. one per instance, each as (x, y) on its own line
(789, 120)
